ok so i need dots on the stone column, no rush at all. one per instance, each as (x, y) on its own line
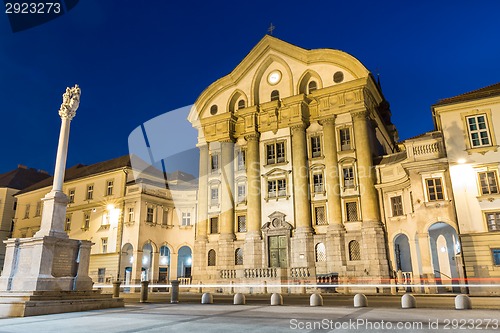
(203, 194)
(373, 251)
(54, 203)
(254, 218)
(302, 243)
(335, 237)
(227, 191)
(253, 242)
(332, 175)
(300, 179)
(369, 202)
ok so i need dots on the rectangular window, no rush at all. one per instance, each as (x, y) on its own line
(271, 189)
(315, 146)
(101, 273)
(496, 256)
(109, 187)
(104, 244)
(164, 220)
(86, 221)
(345, 139)
(27, 211)
(186, 218)
(397, 206)
(242, 195)
(214, 225)
(348, 173)
(131, 215)
(38, 208)
(241, 160)
(214, 196)
(434, 189)
(351, 209)
(478, 131)
(242, 223)
(318, 183)
(67, 224)
(488, 182)
(149, 214)
(275, 153)
(71, 195)
(320, 216)
(493, 221)
(214, 163)
(281, 187)
(90, 192)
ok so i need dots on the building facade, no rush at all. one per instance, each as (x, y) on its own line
(286, 189)
(418, 211)
(138, 232)
(470, 124)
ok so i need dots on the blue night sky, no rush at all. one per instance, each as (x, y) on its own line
(135, 60)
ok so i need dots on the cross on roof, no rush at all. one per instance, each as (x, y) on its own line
(271, 29)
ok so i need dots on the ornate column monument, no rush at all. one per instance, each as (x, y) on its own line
(48, 273)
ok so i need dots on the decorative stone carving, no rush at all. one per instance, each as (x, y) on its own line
(71, 101)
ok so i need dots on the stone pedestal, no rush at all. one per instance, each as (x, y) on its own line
(374, 250)
(46, 263)
(253, 250)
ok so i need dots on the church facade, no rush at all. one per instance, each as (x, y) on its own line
(287, 180)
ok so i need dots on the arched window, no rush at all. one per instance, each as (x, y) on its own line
(238, 256)
(275, 95)
(213, 109)
(354, 251)
(241, 104)
(320, 252)
(312, 86)
(211, 257)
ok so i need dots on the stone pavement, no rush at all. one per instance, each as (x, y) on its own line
(190, 316)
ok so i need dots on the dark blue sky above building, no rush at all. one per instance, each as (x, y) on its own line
(135, 60)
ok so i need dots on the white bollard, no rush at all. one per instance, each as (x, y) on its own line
(276, 299)
(207, 298)
(239, 299)
(462, 302)
(360, 301)
(408, 301)
(316, 300)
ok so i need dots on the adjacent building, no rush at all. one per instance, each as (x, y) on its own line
(142, 228)
(470, 125)
(10, 183)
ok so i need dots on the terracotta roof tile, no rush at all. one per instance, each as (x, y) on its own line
(489, 91)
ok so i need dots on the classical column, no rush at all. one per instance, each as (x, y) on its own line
(369, 201)
(203, 194)
(300, 179)
(227, 189)
(54, 203)
(332, 174)
(253, 187)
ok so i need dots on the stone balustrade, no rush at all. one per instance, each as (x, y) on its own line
(228, 273)
(300, 272)
(256, 273)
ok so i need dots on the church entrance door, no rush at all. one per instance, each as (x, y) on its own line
(278, 251)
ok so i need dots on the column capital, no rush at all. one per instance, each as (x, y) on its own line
(252, 137)
(359, 114)
(328, 121)
(298, 127)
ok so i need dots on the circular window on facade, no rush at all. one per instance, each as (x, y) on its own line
(338, 77)
(213, 109)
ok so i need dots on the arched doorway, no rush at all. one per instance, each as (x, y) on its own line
(445, 247)
(164, 269)
(184, 261)
(127, 260)
(402, 257)
(147, 262)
